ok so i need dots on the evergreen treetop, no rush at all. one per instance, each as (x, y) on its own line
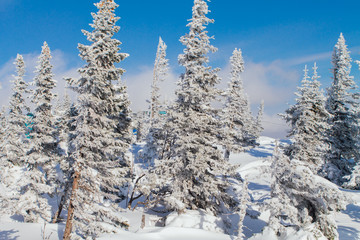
(343, 106)
(102, 136)
(194, 172)
(309, 122)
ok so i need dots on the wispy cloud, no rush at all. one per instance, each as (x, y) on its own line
(307, 59)
(139, 87)
(274, 83)
(139, 84)
(315, 57)
(274, 126)
(60, 70)
(6, 72)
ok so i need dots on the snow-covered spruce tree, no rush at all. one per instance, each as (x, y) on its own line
(3, 161)
(309, 122)
(65, 180)
(258, 127)
(13, 145)
(41, 159)
(161, 68)
(13, 139)
(238, 129)
(2, 132)
(64, 118)
(279, 198)
(4, 167)
(63, 115)
(244, 201)
(353, 179)
(302, 200)
(195, 170)
(343, 105)
(155, 138)
(102, 135)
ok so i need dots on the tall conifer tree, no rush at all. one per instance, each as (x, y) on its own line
(64, 118)
(309, 123)
(13, 146)
(13, 139)
(258, 126)
(195, 170)
(42, 156)
(155, 139)
(102, 135)
(239, 125)
(2, 132)
(161, 68)
(343, 105)
(3, 161)
(301, 199)
(353, 179)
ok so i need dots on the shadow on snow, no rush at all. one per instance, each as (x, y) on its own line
(8, 235)
(353, 211)
(348, 233)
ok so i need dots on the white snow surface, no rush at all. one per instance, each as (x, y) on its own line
(198, 225)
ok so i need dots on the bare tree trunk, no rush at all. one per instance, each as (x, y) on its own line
(142, 221)
(227, 155)
(62, 203)
(132, 198)
(69, 221)
(139, 131)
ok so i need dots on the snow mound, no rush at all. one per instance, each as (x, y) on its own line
(168, 233)
(11, 230)
(291, 234)
(197, 220)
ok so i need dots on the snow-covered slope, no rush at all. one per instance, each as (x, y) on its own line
(253, 165)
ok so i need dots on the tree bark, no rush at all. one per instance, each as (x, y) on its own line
(69, 221)
(142, 221)
(227, 155)
(132, 198)
(62, 203)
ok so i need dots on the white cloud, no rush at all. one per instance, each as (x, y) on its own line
(139, 84)
(6, 72)
(139, 87)
(274, 126)
(274, 83)
(60, 70)
(307, 59)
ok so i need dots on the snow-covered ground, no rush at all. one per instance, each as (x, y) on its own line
(253, 165)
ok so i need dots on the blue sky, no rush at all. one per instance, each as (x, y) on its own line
(277, 39)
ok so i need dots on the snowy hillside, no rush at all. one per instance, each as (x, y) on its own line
(253, 165)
